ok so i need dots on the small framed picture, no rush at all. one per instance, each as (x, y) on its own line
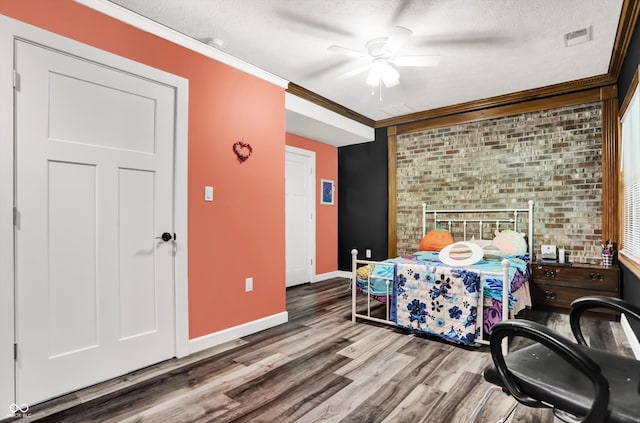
(326, 188)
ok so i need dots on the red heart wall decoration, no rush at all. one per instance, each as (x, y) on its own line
(243, 150)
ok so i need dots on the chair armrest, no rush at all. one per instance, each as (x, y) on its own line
(569, 351)
(579, 306)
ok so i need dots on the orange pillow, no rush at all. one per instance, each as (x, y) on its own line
(436, 240)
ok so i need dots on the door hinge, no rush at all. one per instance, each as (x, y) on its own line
(15, 352)
(16, 80)
(15, 216)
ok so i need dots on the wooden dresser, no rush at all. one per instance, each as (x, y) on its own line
(557, 285)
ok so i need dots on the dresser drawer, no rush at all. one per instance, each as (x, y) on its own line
(560, 296)
(580, 277)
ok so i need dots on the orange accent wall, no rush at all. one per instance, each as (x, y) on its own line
(326, 215)
(242, 232)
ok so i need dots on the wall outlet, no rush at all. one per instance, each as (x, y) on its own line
(248, 284)
(367, 253)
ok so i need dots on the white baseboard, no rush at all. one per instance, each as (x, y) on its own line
(631, 336)
(331, 275)
(226, 335)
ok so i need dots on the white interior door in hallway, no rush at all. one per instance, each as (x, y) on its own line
(94, 188)
(300, 215)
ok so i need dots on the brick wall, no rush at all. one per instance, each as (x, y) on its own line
(552, 157)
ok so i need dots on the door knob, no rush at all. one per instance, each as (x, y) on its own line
(165, 237)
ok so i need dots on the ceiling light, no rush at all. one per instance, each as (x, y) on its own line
(390, 76)
(577, 37)
(381, 70)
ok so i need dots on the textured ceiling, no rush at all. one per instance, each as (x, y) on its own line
(486, 47)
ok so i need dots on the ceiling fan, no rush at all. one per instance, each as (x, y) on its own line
(382, 52)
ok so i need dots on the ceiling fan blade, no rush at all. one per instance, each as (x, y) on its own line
(355, 71)
(416, 60)
(464, 39)
(397, 38)
(346, 51)
(326, 67)
(306, 23)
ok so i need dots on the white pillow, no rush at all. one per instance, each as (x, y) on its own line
(462, 253)
(510, 242)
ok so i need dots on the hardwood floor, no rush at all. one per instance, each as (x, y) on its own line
(318, 367)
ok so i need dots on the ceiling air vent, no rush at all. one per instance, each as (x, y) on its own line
(577, 37)
(397, 110)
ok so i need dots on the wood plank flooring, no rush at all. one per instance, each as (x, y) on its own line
(318, 367)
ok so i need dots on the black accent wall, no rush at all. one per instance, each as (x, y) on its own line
(629, 65)
(363, 199)
(630, 282)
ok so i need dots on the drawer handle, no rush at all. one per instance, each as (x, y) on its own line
(596, 276)
(549, 295)
(550, 273)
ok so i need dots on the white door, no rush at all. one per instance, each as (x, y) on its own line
(299, 209)
(94, 187)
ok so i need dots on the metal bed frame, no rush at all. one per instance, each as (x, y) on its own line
(439, 217)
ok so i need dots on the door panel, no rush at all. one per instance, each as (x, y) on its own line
(136, 244)
(94, 187)
(71, 238)
(119, 120)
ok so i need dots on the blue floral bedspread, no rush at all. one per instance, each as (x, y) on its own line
(440, 301)
(376, 285)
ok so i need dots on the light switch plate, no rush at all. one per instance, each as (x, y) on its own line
(208, 193)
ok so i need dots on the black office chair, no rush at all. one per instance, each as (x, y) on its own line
(580, 383)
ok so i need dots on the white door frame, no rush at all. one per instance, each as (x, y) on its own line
(311, 205)
(11, 29)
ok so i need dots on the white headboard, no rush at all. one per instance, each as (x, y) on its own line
(496, 217)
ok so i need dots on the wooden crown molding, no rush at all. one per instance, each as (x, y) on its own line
(304, 93)
(503, 100)
(626, 25)
(580, 97)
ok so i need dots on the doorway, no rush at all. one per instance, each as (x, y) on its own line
(300, 215)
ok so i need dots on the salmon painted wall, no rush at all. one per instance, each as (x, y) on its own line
(326, 215)
(242, 232)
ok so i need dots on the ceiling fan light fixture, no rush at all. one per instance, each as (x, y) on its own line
(381, 70)
(373, 79)
(390, 76)
(375, 74)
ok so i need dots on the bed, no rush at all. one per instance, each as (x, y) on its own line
(458, 299)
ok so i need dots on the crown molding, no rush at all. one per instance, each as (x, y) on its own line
(626, 25)
(580, 97)
(503, 100)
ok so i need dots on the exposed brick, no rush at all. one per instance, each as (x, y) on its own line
(552, 157)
